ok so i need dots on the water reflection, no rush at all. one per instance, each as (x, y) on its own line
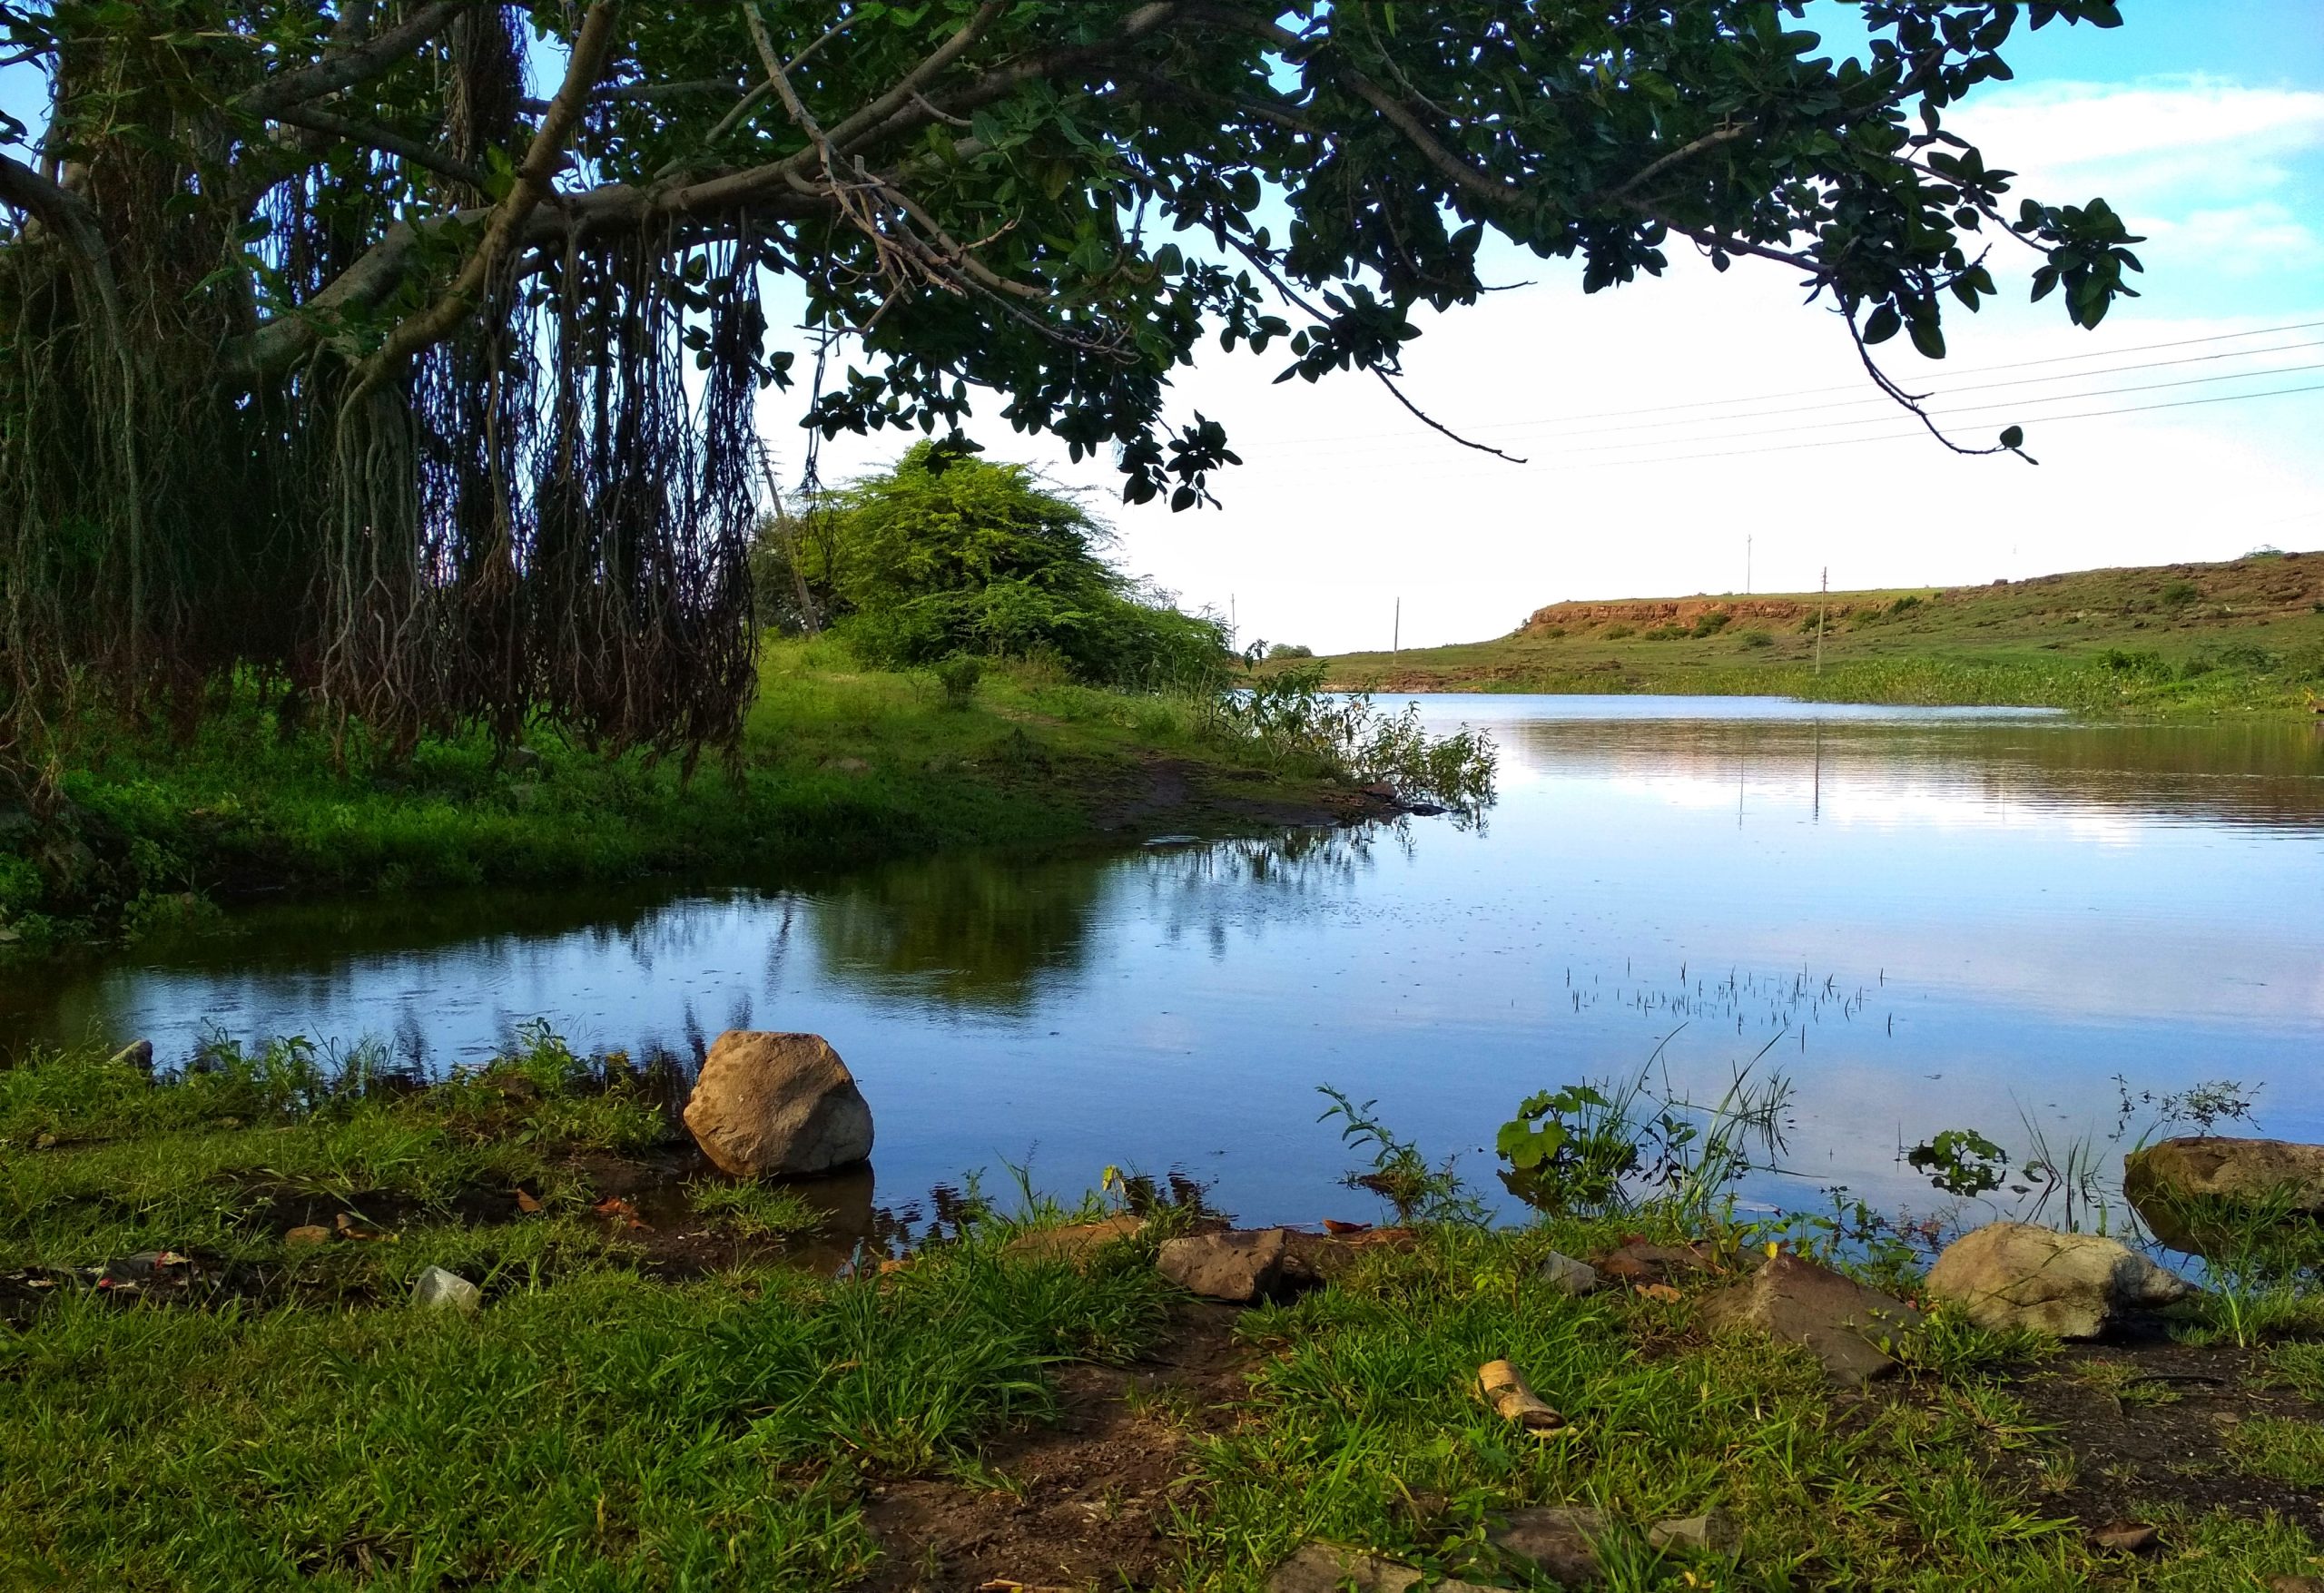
(1939, 919)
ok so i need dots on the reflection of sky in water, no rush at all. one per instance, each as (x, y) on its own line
(2010, 912)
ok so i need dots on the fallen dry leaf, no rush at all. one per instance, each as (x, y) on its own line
(1662, 1292)
(1332, 1225)
(526, 1203)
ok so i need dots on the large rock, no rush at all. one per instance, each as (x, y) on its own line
(2185, 1188)
(1844, 1325)
(2062, 1286)
(777, 1104)
(1240, 1267)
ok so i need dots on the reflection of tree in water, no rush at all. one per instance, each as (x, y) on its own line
(986, 930)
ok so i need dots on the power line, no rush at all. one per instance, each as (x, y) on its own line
(2010, 406)
(1852, 386)
(1888, 404)
(1905, 436)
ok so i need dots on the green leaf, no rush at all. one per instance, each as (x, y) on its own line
(1928, 338)
(2012, 436)
(1883, 324)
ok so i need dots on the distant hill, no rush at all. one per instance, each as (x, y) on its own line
(2240, 635)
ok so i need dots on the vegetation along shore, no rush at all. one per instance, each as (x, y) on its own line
(276, 1317)
(2189, 640)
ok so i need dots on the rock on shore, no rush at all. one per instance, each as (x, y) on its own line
(777, 1104)
(2061, 1286)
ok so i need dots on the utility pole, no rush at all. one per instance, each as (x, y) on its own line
(783, 529)
(1396, 633)
(1822, 603)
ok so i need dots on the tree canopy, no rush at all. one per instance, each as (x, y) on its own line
(407, 352)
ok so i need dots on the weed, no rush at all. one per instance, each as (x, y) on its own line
(1399, 1173)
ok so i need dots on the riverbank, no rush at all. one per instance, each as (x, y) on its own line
(220, 1378)
(2173, 641)
(840, 765)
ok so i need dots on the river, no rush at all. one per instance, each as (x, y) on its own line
(1924, 918)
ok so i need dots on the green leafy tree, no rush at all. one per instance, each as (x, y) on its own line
(949, 554)
(330, 351)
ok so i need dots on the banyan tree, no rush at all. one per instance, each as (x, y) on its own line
(405, 356)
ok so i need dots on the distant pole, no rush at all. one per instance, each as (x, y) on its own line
(783, 529)
(1396, 633)
(1822, 603)
(1234, 625)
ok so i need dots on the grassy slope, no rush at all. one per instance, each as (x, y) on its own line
(2177, 639)
(597, 1427)
(840, 764)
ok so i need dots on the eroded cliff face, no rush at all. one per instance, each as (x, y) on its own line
(1648, 612)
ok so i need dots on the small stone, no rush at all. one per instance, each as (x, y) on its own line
(1569, 1276)
(43, 1141)
(1239, 1267)
(1842, 1323)
(1640, 1263)
(1712, 1532)
(1560, 1541)
(439, 1290)
(2062, 1285)
(1326, 1568)
(1076, 1244)
(2126, 1538)
(306, 1235)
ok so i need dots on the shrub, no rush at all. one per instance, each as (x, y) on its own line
(1290, 650)
(2178, 594)
(1711, 623)
(1616, 633)
(959, 675)
(948, 554)
(1756, 639)
(1665, 634)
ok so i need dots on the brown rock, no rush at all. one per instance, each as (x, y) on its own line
(2171, 1183)
(2063, 1285)
(2291, 1584)
(1326, 1568)
(1842, 1323)
(308, 1234)
(2126, 1538)
(1640, 1263)
(1560, 1541)
(1076, 1243)
(779, 1104)
(1241, 1267)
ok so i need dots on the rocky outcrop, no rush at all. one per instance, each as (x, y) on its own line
(2011, 1276)
(2184, 1188)
(1847, 1327)
(780, 1105)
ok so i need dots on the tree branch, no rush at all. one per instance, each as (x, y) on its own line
(1655, 168)
(409, 150)
(590, 48)
(336, 71)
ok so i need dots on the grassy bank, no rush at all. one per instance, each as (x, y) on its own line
(2168, 641)
(838, 764)
(663, 1401)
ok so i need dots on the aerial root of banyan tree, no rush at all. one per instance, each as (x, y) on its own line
(544, 516)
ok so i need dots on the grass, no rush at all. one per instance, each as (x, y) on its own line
(839, 765)
(2182, 640)
(608, 1423)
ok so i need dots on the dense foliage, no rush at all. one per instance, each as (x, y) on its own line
(328, 351)
(948, 554)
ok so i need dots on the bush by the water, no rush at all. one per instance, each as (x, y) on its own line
(948, 554)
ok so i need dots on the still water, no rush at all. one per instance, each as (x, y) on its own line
(1940, 918)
